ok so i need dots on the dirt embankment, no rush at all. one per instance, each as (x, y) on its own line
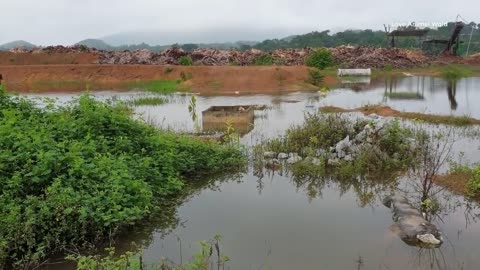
(202, 79)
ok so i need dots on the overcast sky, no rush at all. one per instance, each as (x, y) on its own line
(47, 22)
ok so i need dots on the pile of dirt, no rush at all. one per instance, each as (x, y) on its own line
(371, 57)
(473, 59)
(344, 56)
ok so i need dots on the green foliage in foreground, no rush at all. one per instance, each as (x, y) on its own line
(203, 260)
(71, 177)
(321, 59)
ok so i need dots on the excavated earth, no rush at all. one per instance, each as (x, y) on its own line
(215, 71)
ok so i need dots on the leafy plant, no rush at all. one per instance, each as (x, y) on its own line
(76, 175)
(315, 77)
(185, 61)
(321, 59)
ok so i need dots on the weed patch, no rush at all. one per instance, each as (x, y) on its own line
(76, 175)
(157, 86)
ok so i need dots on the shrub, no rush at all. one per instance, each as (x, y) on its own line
(186, 61)
(321, 59)
(264, 60)
(473, 184)
(315, 77)
(76, 175)
(455, 72)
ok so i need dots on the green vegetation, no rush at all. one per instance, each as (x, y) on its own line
(403, 95)
(148, 101)
(315, 77)
(186, 61)
(264, 60)
(456, 72)
(157, 86)
(318, 39)
(377, 155)
(208, 256)
(389, 152)
(74, 176)
(472, 176)
(321, 59)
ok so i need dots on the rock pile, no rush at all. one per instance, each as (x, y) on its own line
(346, 150)
(344, 56)
(370, 57)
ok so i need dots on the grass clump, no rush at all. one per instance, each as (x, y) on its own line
(404, 95)
(148, 101)
(157, 86)
(470, 178)
(74, 176)
(185, 61)
(452, 72)
(387, 148)
(315, 77)
(321, 59)
(204, 259)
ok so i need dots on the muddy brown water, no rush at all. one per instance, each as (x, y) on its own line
(277, 222)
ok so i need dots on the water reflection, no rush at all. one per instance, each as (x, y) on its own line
(276, 220)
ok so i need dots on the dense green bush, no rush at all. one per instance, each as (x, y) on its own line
(186, 61)
(74, 176)
(321, 59)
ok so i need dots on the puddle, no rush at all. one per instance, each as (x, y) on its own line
(278, 223)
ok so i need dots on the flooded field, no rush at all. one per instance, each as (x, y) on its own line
(274, 221)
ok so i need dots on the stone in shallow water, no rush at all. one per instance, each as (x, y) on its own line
(294, 158)
(333, 161)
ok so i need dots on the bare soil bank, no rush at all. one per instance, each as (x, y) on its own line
(199, 79)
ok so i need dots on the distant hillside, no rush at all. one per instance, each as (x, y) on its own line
(17, 44)
(95, 43)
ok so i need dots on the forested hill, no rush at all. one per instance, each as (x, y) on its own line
(370, 38)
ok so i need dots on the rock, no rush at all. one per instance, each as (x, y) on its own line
(294, 158)
(343, 145)
(348, 158)
(320, 152)
(315, 161)
(282, 156)
(341, 154)
(333, 161)
(269, 154)
(273, 163)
